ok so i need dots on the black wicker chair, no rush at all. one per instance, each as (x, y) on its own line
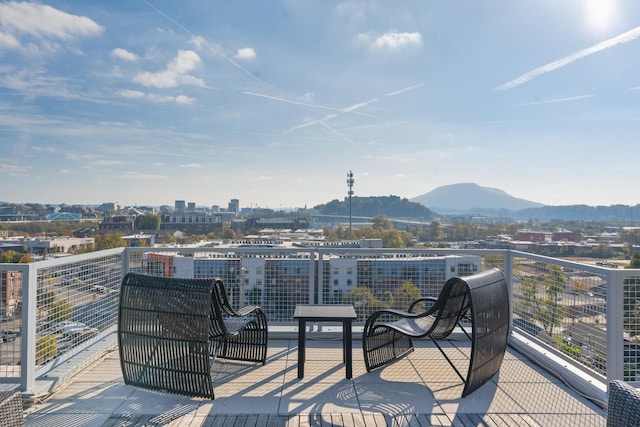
(242, 333)
(169, 330)
(482, 298)
(624, 405)
(11, 409)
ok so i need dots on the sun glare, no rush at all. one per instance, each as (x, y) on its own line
(599, 14)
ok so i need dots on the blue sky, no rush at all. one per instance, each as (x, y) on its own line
(145, 102)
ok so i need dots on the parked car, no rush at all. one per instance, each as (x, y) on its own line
(8, 335)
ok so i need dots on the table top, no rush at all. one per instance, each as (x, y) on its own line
(324, 312)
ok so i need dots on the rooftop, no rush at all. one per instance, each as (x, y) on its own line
(421, 389)
(552, 375)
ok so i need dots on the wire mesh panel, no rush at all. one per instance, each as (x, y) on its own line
(11, 289)
(564, 307)
(76, 300)
(277, 280)
(372, 280)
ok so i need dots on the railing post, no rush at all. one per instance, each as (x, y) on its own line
(124, 256)
(29, 316)
(508, 272)
(315, 281)
(615, 324)
(320, 276)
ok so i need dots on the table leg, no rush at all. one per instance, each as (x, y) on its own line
(346, 328)
(301, 344)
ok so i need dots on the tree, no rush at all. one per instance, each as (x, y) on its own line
(362, 296)
(392, 239)
(26, 259)
(109, 241)
(494, 261)
(10, 256)
(551, 312)
(44, 298)
(541, 300)
(381, 222)
(635, 260)
(404, 295)
(150, 221)
(46, 348)
(435, 231)
(60, 311)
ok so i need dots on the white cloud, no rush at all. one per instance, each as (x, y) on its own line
(136, 94)
(247, 53)
(141, 176)
(127, 93)
(176, 72)
(44, 149)
(182, 99)
(203, 45)
(43, 23)
(124, 54)
(392, 41)
(15, 170)
(104, 163)
(191, 166)
(8, 41)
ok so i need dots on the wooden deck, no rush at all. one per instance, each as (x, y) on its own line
(420, 390)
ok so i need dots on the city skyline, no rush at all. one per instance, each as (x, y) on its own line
(274, 103)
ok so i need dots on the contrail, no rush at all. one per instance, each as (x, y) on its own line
(311, 123)
(552, 66)
(351, 109)
(407, 89)
(553, 101)
(183, 28)
(341, 136)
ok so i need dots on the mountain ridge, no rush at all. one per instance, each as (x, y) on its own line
(473, 199)
(463, 197)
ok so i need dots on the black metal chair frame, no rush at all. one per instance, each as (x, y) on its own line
(170, 331)
(482, 298)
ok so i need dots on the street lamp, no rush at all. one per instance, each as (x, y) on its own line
(350, 182)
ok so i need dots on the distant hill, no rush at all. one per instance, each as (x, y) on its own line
(472, 199)
(389, 206)
(466, 198)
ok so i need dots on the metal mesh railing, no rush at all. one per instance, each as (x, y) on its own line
(76, 300)
(565, 305)
(560, 303)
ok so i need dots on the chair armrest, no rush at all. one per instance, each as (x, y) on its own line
(419, 300)
(246, 310)
(372, 319)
